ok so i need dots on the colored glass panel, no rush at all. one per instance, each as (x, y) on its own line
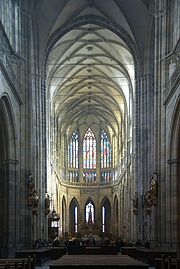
(105, 151)
(89, 214)
(73, 149)
(89, 150)
(103, 219)
(75, 219)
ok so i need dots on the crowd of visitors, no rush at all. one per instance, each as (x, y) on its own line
(89, 240)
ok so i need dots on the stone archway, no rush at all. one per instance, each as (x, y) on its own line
(3, 175)
(107, 218)
(7, 178)
(174, 175)
(178, 189)
(73, 212)
(86, 111)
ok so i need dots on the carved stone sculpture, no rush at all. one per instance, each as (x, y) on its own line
(151, 195)
(135, 203)
(47, 204)
(35, 201)
(32, 197)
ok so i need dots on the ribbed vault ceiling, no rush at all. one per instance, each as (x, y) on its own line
(90, 70)
(90, 73)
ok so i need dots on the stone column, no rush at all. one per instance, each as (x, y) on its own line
(80, 156)
(67, 226)
(80, 217)
(11, 205)
(98, 157)
(174, 203)
(144, 143)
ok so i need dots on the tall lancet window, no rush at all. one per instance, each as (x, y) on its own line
(73, 159)
(75, 219)
(89, 213)
(105, 151)
(103, 219)
(89, 150)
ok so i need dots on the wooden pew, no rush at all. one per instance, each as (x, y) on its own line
(41, 255)
(24, 263)
(97, 261)
(167, 263)
(130, 251)
(149, 255)
(92, 250)
(57, 252)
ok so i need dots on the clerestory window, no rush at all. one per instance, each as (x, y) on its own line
(87, 154)
(89, 150)
(73, 151)
(105, 151)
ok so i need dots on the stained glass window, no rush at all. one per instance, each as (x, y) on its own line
(75, 219)
(106, 176)
(89, 150)
(103, 219)
(73, 159)
(105, 151)
(73, 176)
(89, 213)
(89, 177)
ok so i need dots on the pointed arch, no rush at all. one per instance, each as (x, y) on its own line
(106, 216)
(97, 20)
(106, 158)
(174, 175)
(8, 171)
(73, 150)
(8, 120)
(89, 150)
(73, 216)
(175, 127)
(89, 211)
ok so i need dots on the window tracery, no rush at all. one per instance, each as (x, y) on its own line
(73, 150)
(105, 151)
(89, 150)
(90, 154)
(89, 214)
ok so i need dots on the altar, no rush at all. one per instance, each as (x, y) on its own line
(90, 227)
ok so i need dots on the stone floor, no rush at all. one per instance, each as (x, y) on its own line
(46, 265)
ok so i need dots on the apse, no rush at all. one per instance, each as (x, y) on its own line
(90, 73)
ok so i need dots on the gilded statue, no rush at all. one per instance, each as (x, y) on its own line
(151, 195)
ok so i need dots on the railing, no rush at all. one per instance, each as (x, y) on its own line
(118, 174)
(89, 184)
(78, 184)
